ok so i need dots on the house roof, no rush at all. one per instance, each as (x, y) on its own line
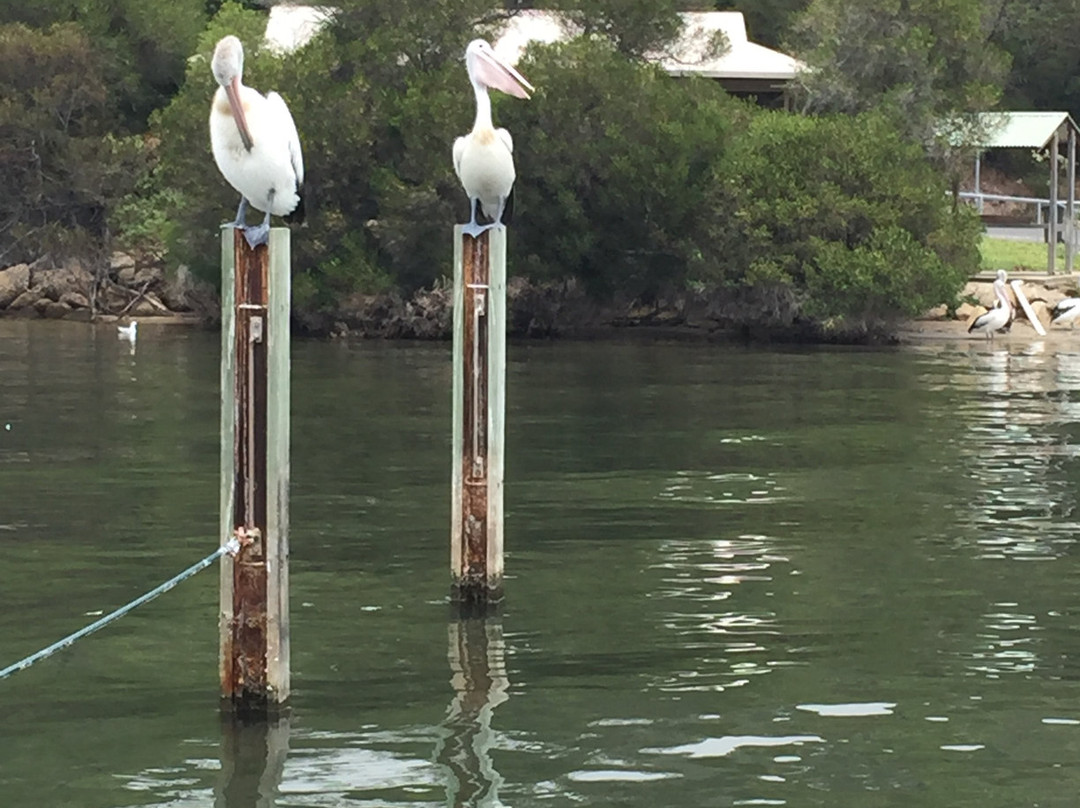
(1023, 130)
(292, 26)
(692, 54)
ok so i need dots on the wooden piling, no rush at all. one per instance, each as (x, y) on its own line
(254, 618)
(479, 405)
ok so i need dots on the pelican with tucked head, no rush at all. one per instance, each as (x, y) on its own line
(255, 144)
(999, 316)
(1066, 311)
(484, 159)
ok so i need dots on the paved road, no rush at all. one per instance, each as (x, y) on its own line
(1029, 233)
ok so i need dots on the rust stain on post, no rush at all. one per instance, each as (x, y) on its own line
(474, 456)
(244, 679)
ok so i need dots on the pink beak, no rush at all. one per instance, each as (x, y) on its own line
(495, 73)
(232, 92)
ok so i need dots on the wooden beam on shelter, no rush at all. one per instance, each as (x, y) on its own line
(1070, 208)
(1052, 225)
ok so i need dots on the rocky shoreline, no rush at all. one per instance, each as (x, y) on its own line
(121, 287)
(129, 287)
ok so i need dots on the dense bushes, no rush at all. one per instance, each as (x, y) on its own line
(847, 216)
(632, 182)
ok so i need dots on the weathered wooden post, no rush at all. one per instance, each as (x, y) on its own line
(1070, 207)
(479, 406)
(1055, 179)
(254, 620)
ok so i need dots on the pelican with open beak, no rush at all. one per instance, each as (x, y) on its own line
(255, 144)
(484, 158)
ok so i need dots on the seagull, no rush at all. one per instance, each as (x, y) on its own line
(484, 159)
(1066, 311)
(128, 332)
(255, 144)
(999, 316)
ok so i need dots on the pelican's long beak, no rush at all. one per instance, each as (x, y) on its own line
(232, 92)
(498, 75)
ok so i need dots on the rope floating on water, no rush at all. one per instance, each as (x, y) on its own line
(232, 546)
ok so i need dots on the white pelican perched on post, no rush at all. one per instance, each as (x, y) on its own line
(1066, 311)
(255, 144)
(483, 159)
(998, 317)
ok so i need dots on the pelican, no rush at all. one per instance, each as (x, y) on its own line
(483, 159)
(255, 144)
(998, 317)
(1066, 311)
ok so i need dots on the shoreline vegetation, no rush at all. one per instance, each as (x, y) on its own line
(644, 200)
(142, 288)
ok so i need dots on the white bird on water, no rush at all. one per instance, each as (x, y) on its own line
(128, 332)
(1066, 310)
(255, 144)
(999, 316)
(484, 159)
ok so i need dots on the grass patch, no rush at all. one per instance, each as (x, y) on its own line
(1002, 253)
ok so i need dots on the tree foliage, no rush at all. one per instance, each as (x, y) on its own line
(921, 60)
(620, 180)
(848, 216)
(56, 156)
(1041, 38)
(629, 180)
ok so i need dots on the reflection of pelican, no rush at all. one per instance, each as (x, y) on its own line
(476, 653)
(1066, 311)
(252, 761)
(999, 316)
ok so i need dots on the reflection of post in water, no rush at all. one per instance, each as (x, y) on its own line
(253, 756)
(478, 675)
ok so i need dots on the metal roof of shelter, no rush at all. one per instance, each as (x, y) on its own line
(1024, 130)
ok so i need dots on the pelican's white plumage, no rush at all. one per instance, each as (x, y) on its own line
(484, 158)
(255, 144)
(1066, 310)
(999, 316)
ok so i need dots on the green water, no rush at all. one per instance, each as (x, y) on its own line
(735, 577)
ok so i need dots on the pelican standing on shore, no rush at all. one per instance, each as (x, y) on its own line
(483, 159)
(1066, 311)
(255, 144)
(999, 316)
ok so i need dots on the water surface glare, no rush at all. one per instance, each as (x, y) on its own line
(736, 576)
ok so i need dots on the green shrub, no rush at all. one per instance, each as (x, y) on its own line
(853, 220)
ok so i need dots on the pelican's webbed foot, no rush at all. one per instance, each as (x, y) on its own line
(473, 228)
(258, 234)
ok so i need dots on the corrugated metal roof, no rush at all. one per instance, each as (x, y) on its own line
(1023, 130)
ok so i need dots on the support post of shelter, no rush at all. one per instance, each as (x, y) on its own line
(1070, 208)
(254, 505)
(1052, 224)
(479, 405)
(978, 183)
